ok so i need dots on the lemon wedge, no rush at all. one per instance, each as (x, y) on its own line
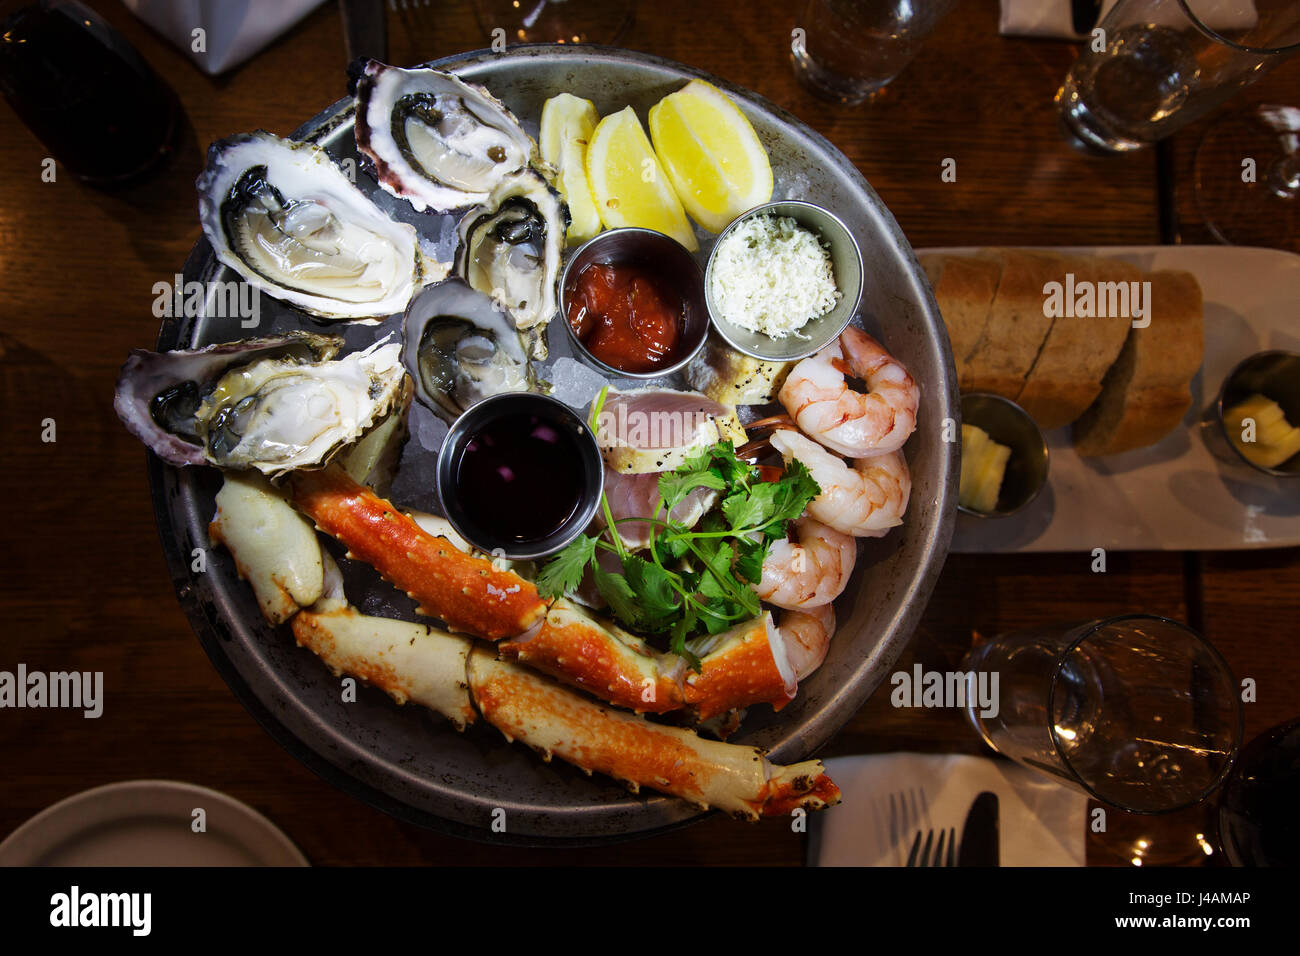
(711, 153)
(628, 182)
(567, 124)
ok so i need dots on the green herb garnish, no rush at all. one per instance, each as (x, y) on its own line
(691, 579)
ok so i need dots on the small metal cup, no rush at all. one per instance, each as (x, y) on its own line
(632, 245)
(1009, 424)
(1275, 374)
(471, 423)
(846, 264)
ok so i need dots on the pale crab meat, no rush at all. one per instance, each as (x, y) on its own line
(275, 549)
(409, 662)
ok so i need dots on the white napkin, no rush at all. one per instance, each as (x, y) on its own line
(1051, 18)
(1040, 823)
(232, 32)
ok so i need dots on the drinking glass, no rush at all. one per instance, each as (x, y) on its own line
(1137, 711)
(848, 50)
(1167, 63)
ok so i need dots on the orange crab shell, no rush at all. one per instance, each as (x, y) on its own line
(465, 592)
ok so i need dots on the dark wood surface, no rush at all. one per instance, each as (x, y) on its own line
(84, 585)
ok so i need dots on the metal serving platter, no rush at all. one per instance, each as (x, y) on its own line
(411, 763)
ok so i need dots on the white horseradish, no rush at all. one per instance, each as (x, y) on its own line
(773, 276)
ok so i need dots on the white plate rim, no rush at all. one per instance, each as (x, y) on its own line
(94, 808)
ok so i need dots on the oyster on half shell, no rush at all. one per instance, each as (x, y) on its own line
(291, 223)
(461, 348)
(274, 404)
(433, 139)
(510, 249)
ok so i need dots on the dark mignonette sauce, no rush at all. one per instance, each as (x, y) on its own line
(520, 478)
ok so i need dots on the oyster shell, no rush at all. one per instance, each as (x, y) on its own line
(461, 348)
(433, 139)
(274, 405)
(291, 223)
(510, 249)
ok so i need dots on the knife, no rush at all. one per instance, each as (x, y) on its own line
(1084, 15)
(979, 835)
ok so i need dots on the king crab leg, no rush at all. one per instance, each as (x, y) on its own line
(465, 592)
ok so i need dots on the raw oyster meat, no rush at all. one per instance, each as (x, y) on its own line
(291, 223)
(274, 405)
(510, 249)
(433, 139)
(461, 347)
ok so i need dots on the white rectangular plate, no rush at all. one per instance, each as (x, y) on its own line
(1174, 495)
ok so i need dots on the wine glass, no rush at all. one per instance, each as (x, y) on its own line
(556, 21)
(1257, 821)
(1247, 177)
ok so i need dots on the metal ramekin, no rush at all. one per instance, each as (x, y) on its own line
(1008, 424)
(846, 264)
(632, 245)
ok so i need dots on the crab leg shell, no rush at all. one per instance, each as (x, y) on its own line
(554, 720)
(601, 658)
(740, 667)
(467, 593)
(411, 662)
(275, 549)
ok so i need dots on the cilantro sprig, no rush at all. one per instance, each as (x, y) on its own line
(690, 580)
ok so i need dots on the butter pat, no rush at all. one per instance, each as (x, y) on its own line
(1259, 429)
(983, 466)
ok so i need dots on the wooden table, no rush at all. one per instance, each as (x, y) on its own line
(84, 584)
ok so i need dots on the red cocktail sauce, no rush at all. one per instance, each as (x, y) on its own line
(627, 316)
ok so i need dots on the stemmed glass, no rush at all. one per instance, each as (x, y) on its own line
(1247, 177)
(556, 21)
(1136, 711)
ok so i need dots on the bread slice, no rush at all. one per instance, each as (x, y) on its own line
(1017, 325)
(964, 287)
(1066, 378)
(1146, 392)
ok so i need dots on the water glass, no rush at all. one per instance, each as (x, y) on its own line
(1161, 64)
(848, 50)
(1136, 711)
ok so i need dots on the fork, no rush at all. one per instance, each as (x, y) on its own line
(907, 809)
(921, 856)
(416, 16)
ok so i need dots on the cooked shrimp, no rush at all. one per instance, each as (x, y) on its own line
(807, 637)
(809, 571)
(852, 423)
(865, 500)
